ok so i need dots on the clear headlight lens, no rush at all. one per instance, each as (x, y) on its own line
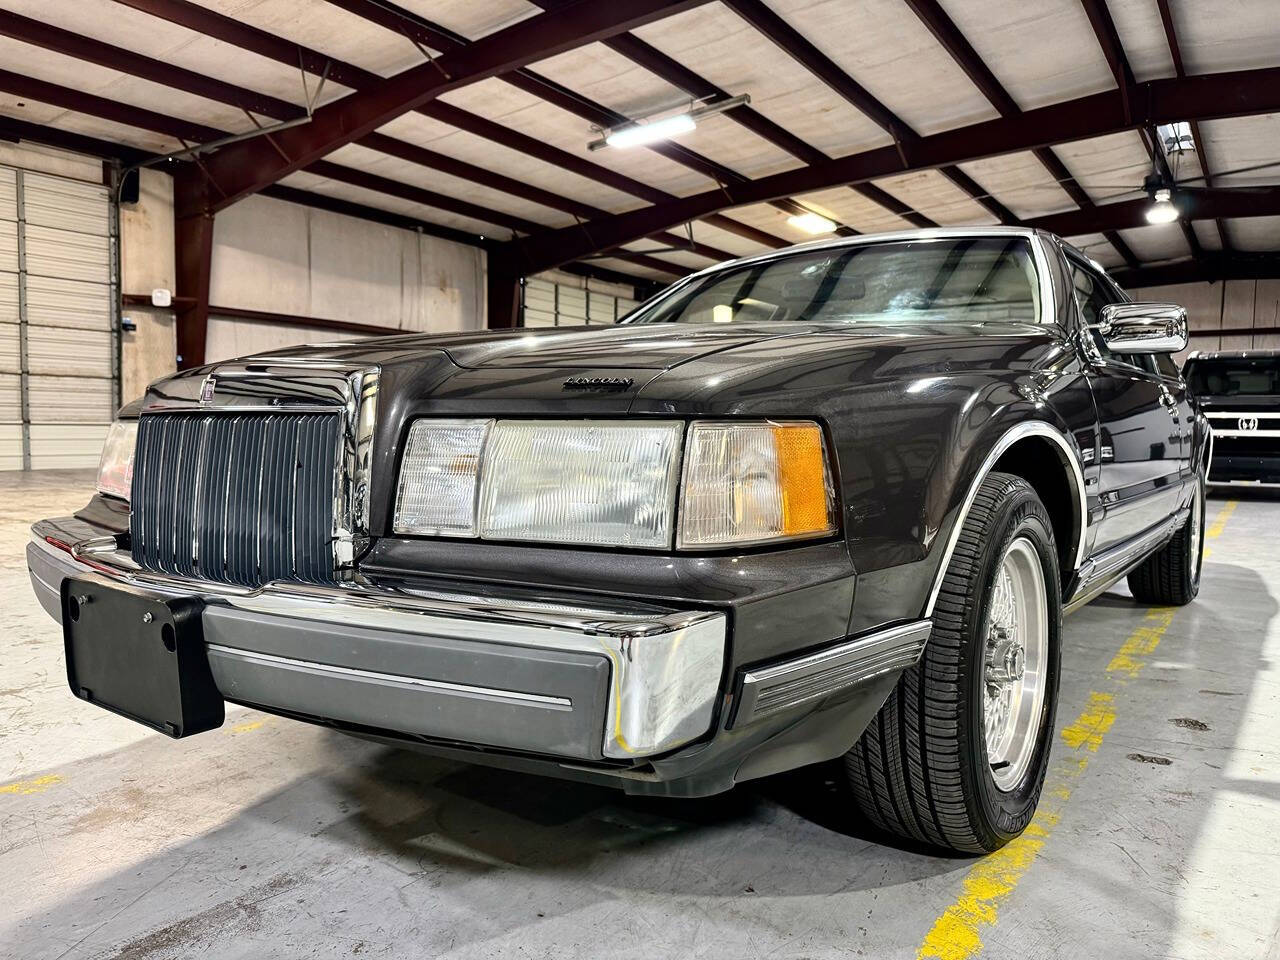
(115, 468)
(593, 482)
(755, 483)
(615, 483)
(440, 477)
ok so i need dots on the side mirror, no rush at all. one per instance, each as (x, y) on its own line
(1143, 327)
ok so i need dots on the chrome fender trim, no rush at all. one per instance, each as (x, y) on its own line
(1020, 431)
(771, 689)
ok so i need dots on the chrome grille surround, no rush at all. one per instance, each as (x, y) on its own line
(309, 421)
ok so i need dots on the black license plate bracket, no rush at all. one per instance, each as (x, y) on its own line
(139, 655)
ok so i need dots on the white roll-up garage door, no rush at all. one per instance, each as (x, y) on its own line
(58, 340)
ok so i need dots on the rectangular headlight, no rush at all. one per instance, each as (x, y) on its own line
(592, 482)
(750, 483)
(439, 477)
(115, 467)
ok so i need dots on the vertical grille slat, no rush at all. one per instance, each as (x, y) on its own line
(236, 498)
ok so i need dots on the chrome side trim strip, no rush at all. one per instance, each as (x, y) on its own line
(1109, 566)
(768, 690)
(440, 686)
(1020, 431)
(1243, 483)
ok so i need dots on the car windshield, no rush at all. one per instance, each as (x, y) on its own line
(1252, 377)
(950, 280)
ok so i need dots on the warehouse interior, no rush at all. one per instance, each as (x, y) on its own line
(184, 182)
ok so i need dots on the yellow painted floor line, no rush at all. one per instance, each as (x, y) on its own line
(38, 785)
(956, 934)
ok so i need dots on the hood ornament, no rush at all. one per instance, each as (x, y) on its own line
(206, 390)
(602, 384)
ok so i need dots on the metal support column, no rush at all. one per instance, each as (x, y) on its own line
(24, 375)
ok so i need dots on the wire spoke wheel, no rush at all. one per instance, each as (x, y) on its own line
(1014, 671)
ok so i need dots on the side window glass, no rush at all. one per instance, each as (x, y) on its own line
(1165, 365)
(1092, 295)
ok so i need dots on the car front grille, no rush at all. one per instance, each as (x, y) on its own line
(236, 498)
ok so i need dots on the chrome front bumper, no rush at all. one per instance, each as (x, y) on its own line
(582, 683)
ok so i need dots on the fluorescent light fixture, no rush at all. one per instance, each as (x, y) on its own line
(1162, 209)
(651, 132)
(812, 223)
(650, 129)
(722, 313)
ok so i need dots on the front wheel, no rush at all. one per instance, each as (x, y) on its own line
(957, 756)
(1172, 576)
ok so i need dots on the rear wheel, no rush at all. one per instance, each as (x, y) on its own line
(1172, 576)
(957, 755)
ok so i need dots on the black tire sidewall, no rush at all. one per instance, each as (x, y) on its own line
(1007, 813)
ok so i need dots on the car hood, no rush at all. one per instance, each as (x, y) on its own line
(649, 347)
(654, 347)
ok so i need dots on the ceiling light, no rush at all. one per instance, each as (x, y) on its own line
(812, 223)
(663, 129)
(650, 129)
(1162, 209)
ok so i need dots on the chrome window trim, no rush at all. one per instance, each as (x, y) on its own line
(1020, 431)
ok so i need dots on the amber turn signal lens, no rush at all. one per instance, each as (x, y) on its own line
(802, 479)
(754, 483)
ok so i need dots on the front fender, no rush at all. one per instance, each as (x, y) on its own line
(907, 495)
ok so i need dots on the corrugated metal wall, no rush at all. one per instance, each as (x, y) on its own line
(58, 335)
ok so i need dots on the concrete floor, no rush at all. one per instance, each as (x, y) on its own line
(1159, 833)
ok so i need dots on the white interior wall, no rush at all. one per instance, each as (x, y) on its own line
(1233, 305)
(148, 351)
(278, 257)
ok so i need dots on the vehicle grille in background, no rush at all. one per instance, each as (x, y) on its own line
(1246, 446)
(236, 498)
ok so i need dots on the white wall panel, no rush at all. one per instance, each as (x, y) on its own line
(8, 194)
(59, 339)
(10, 349)
(557, 299)
(10, 399)
(47, 352)
(279, 257)
(65, 204)
(68, 254)
(70, 400)
(10, 446)
(63, 446)
(68, 303)
(9, 246)
(8, 297)
(230, 337)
